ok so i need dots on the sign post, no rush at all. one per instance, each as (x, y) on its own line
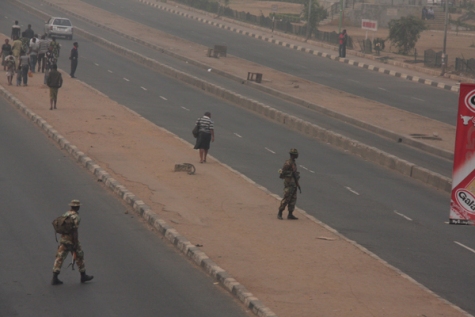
(462, 202)
(369, 25)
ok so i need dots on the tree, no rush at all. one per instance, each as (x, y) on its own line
(317, 14)
(404, 33)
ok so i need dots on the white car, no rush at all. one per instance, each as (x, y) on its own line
(59, 27)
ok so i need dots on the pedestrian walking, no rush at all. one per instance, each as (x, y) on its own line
(205, 135)
(343, 38)
(56, 47)
(43, 48)
(23, 69)
(73, 57)
(50, 60)
(10, 64)
(6, 51)
(29, 33)
(69, 243)
(16, 50)
(33, 52)
(16, 31)
(54, 82)
(291, 177)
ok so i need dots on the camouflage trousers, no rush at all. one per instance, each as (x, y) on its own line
(62, 253)
(290, 198)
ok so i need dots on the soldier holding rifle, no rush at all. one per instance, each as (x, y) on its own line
(291, 176)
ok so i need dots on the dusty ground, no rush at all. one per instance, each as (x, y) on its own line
(328, 276)
(459, 44)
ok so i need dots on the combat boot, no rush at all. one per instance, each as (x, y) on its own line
(279, 215)
(55, 280)
(291, 217)
(85, 278)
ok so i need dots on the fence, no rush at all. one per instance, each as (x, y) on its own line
(433, 58)
(463, 65)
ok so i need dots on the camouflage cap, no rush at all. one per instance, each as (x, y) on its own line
(75, 203)
(294, 152)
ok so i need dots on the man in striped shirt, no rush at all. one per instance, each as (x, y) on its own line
(205, 135)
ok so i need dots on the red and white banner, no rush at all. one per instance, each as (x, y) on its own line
(369, 25)
(462, 204)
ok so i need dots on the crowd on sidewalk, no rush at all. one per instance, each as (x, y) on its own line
(25, 53)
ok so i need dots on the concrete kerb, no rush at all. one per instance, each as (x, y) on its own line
(292, 122)
(150, 63)
(181, 243)
(454, 88)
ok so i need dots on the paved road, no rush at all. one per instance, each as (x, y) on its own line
(136, 273)
(364, 202)
(421, 99)
(434, 163)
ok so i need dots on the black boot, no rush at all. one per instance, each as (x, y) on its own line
(55, 280)
(279, 215)
(291, 217)
(85, 278)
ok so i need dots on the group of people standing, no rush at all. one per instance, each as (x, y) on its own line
(28, 53)
(428, 14)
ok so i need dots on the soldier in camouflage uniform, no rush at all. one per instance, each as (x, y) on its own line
(70, 243)
(291, 176)
(56, 47)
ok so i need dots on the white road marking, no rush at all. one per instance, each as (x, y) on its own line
(163, 98)
(311, 171)
(382, 89)
(269, 150)
(464, 246)
(143, 88)
(125, 79)
(353, 191)
(96, 64)
(404, 216)
(354, 80)
(303, 167)
(417, 99)
(109, 71)
(237, 135)
(185, 108)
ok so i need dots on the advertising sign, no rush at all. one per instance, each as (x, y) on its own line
(369, 25)
(462, 203)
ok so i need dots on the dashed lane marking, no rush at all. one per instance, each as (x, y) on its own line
(185, 108)
(404, 216)
(110, 71)
(382, 89)
(125, 79)
(353, 191)
(417, 99)
(143, 88)
(269, 150)
(303, 167)
(163, 98)
(237, 135)
(96, 64)
(464, 246)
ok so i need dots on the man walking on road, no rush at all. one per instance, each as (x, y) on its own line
(73, 57)
(291, 183)
(54, 82)
(16, 31)
(70, 243)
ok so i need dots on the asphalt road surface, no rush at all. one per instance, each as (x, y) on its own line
(398, 219)
(428, 101)
(409, 153)
(135, 272)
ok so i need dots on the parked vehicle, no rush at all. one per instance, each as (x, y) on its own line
(59, 27)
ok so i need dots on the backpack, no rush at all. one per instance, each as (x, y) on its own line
(63, 224)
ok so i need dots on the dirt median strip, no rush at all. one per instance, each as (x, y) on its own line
(238, 230)
(355, 147)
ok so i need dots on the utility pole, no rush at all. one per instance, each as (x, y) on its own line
(341, 16)
(444, 51)
(308, 20)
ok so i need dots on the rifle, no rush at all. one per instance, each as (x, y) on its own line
(296, 182)
(73, 261)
